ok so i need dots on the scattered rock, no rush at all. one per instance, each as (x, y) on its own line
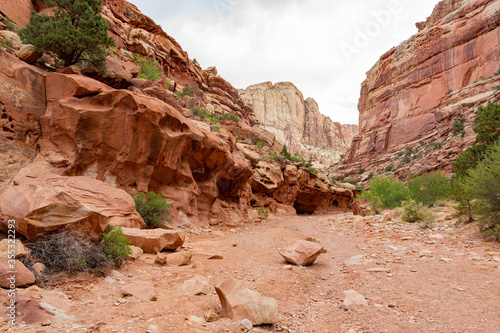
(46, 323)
(161, 259)
(20, 250)
(140, 289)
(425, 253)
(352, 297)
(302, 253)
(359, 259)
(195, 320)
(155, 240)
(241, 303)
(137, 252)
(210, 316)
(379, 270)
(39, 268)
(28, 53)
(23, 277)
(181, 258)
(437, 236)
(246, 324)
(196, 286)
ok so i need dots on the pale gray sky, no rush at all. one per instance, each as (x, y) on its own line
(325, 47)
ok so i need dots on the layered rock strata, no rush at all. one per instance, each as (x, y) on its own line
(413, 94)
(282, 110)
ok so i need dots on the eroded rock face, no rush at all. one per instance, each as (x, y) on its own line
(414, 92)
(139, 143)
(41, 203)
(282, 110)
(155, 240)
(274, 185)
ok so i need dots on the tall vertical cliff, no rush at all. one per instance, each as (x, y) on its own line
(413, 94)
(281, 109)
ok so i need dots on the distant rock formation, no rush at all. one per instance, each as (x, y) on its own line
(282, 110)
(413, 94)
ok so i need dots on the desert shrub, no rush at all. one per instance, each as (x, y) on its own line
(486, 127)
(428, 188)
(239, 138)
(437, 145)
(168, 82)
(230, 116)
(389, 168)
(276, 158)
(150, 70)
(67, 252)
(415, 212)
(313, 170)
(388, 191)
(188, 91)
(7, 43)
(259, 145)
(75, 32)
(263, 212)
(153, 208)
(459, 125)
(10, 25)
(215, 128)
(115, 244)
(498, 72)
(200, 112)
(483, 185)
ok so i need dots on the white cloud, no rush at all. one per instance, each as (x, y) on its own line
(324, 47)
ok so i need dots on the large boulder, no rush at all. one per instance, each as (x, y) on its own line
(241, 303)
(21, 278)
(43, 203)
(155, 240)
(302, 253)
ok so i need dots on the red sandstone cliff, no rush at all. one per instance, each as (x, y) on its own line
(412, 95)
(136, 135)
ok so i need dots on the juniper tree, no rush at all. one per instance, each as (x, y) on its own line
(75, 32)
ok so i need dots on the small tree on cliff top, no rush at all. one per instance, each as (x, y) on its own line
(74, 33)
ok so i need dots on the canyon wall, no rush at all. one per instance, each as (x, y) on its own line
(413, 94)
(281, 109)
(124, 134)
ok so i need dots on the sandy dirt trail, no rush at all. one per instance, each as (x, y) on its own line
(441, 280)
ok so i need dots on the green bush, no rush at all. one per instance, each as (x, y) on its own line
(230, 116)
(188, 91)
(259, 145)
(276, 158)
(7, 43)
(313, 170)
(429, 188)
(153, 208)
(168, 82)
(415, 212)
(10, 25)
(200, 112)
(389, 168)
(150, 70)
(263, 212)
(483, 185)
(75, 32)
(115, 244)
(239, 137)
(387, 191)
(486, 127)
(459, 125)
(215, 128)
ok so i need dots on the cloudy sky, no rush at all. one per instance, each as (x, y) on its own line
(325, 47)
